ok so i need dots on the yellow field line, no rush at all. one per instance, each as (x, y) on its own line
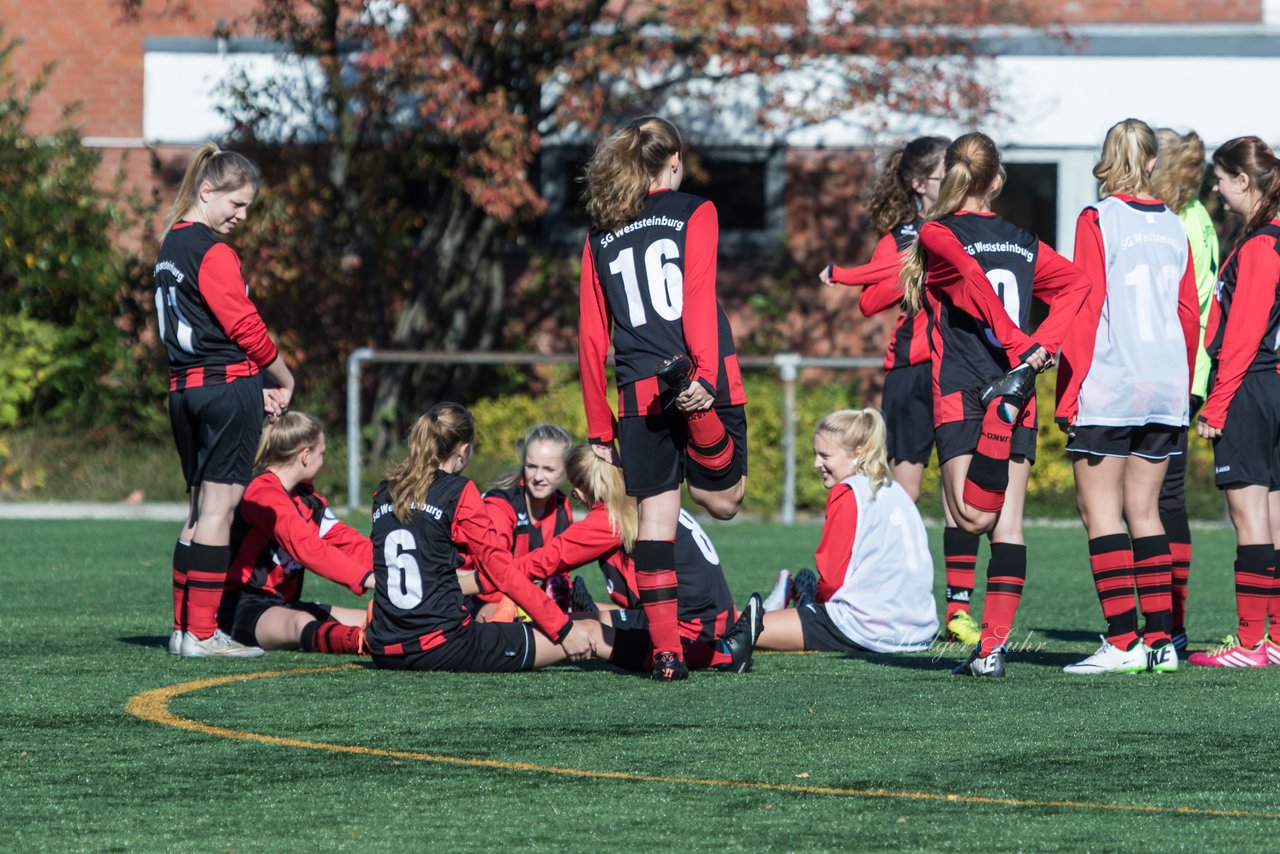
(153, 706)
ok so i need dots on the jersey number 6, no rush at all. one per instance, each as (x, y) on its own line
(404, 579)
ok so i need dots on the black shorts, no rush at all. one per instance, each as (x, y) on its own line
(632, 644)
(961, 437)
(653, 448)
(1248, 451)
(821, 634)
(1149, 441)
(241, 608)
(1173, 492)
(478, 648)
(216, 429)
(907, 404)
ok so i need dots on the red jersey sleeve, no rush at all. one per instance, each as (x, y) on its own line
(267, 507)
(582, 542)
(1078, 344)
(1189, 314)
(1064, 287)
(503, 516)
(884, 291)
(595, 327)
(699, 318)
(1257, 272)
(836, 545)
(223, 289)
(473, 527)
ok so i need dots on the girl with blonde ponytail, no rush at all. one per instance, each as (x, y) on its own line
(1123, 387)
(981, 273)
(874, 586)
(283, 527)
(425, 516)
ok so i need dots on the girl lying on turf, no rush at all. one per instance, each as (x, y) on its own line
(281, 528)
(875, 575)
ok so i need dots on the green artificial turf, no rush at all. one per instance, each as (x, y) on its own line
(910, 757)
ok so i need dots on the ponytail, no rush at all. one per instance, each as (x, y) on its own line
(1126, 151)
(284, 438)
(1251, 156)
(853, 428)
(602, 483)
(624, 166)
(895, 201)
(434, 437)
(224, 170)
(1179, 168)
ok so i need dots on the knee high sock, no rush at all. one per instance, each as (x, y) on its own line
(1254, 571)
(960, 557)
(180, 586)
(655, 562)
(1179, 533)
(1006, 574)
(1273, 602)
(206, 575)
(988, 475)
(712, 461)
(330, 636)
(1153, 572)
(1111, 560)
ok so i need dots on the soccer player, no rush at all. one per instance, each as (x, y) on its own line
(218, 351)
(1124, 381)
(424, 512)
(528, 509)
(981, 273)
(1242, 412)
(875, 575)
(282, 528)
(1179, 173)
(648, 282)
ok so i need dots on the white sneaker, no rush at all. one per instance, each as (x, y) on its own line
(1164, 659)
(1113, 659)
(217, 644)
(175, 642)
(781, 594)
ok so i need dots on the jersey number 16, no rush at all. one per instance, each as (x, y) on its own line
(664, 278)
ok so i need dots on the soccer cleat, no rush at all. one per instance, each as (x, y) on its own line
(740, 640)
(1112, 659)
(580, 599)
(1179, 639)
(668, 668)
(558, 590)
(804, 588)
(1232, 654)
(674, 373)
(964, 629)
(1164, 659)
(505, 611)
(991, 664)
(781, 593)
(1016, 389)
(175, 642)
(1273, 651)
(217, 645)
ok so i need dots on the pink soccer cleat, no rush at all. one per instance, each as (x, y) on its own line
(1232, 654)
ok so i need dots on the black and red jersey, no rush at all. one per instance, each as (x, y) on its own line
(1244, 319)
(276, 535)
(518, 531)
(418, 604)
(909, 344)
(651, 286)
(210, 329)
(981, 274)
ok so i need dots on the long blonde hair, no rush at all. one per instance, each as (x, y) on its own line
(973, 165)
(224, 170)
(1179, 168)
(852, 428)
(1127, 149)
(602, 483)
(434, 437)
(286, 437)
(622, 168)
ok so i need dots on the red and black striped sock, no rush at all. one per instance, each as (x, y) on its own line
(1006, 575)
(988, 475)
(1153, 573)
(960, 558)
(712, 462)
(655, 562)
(1254, 571)
(1273, 603)
(1179, 533)
(206, 576)
(180, 586)
(1111, 560)
(330, 636)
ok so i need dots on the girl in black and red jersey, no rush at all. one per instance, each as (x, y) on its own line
(283, 526)
(1124, 383)
(528, 509)
(1242, 411)
(648, 281)
(218, 351)
(981, 273)
(423, 514)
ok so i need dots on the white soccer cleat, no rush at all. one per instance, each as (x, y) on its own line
(1113, 659)
(175, 642)
(216, 645)
(1164, 659)
(781, 593)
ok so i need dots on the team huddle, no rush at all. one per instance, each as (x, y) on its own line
(1146, 331)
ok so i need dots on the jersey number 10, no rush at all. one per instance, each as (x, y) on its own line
(663, 276)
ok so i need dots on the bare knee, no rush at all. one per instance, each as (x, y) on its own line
(721, 504)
